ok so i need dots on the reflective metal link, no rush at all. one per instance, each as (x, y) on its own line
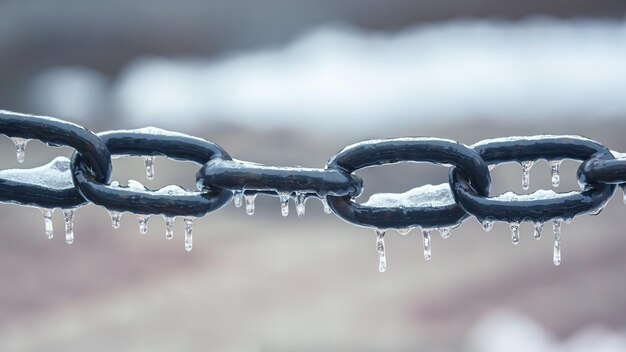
(540, 206)
(50, 185)
(407, 212)
(170, 200)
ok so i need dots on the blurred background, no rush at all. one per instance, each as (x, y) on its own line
(288, 83)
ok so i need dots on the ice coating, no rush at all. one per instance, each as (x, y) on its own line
(427, 196)
(537, 195)
(528, 138)
(169, 190)
(238, 164)
(154, 131)
(618, 155)
(54, 175)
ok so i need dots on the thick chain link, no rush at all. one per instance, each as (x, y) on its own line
(69, 184)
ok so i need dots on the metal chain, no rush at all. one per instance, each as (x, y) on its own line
(69, 184)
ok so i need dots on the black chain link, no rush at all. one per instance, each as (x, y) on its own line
(68, 184)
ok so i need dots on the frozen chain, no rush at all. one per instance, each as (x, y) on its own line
(69, 184)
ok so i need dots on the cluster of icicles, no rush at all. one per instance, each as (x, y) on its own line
(300, 198)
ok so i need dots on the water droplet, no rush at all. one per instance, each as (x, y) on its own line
(169, 227)
(404, 231)
(20, 146)
(487, 225)
(538, 229)
(445, 231)
(327, 209)
(116, 217)
(188, 233)
(250, 203)
(143, 223)
(427, 251)
(568, 220)
(526, 165)
(47, 219)
(284, 203)
(300, 208)
(68, 216)
(556, 229)
(149, 161)
(515, 233)
(238, 198)
(380, 247)
(555, 169)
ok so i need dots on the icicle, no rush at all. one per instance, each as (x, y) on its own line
(555, 169)
(327, 209)
(526, 165)
(143, 223)
(556, 229)
(404, 231)
(47, 219)
(250, 203)
(487, 225)
(538, 229)
(169, 227)
(149, 161)
(380, 247)
(623, 186)
(116, 216)
(515, 233)
(68, 215)
(20, 146)
(445, 231)
(284, 203)
(300, 208)
(427, 251)
(188, 233)
(238, 198)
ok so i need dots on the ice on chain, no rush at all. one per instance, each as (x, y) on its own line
(284, 203)
(54, 175)
(238, 198)
(169, 227)
(149, 161)
(20, 146)
(116, 217)
(250, 203)
(555, 171)
(556, 229)
(404, 231)
(537, 195)
(538, 230)
(526, 166)
(143, 223)
(68, 217)
(427, 196)
(380, 248)
(188, 233)
(514, 233)
(47, 217)
(426, 236)
(300, 199)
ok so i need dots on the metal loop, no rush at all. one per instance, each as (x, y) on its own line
(170, 200)
(236, 175)
(540, 206)
(389, 151)
(596, 170)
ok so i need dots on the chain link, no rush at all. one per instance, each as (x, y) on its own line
(69, 184)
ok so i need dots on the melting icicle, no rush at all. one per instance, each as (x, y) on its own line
(404, 231)
(20, 146)
(300, 199)
(143, 223)
(556, 229)
(284, 203)
(487, 225)
(327, 209)
(47, 219)
(445, 231)
(250, 203)
(188, 233)
(68, 216)
(238, 198)
(427, 251)
(149, 160)
(116, 217)
(538, 229)
(555, 169)
(526, 165)
(515, 233)
(169, 227)
(380, 247)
